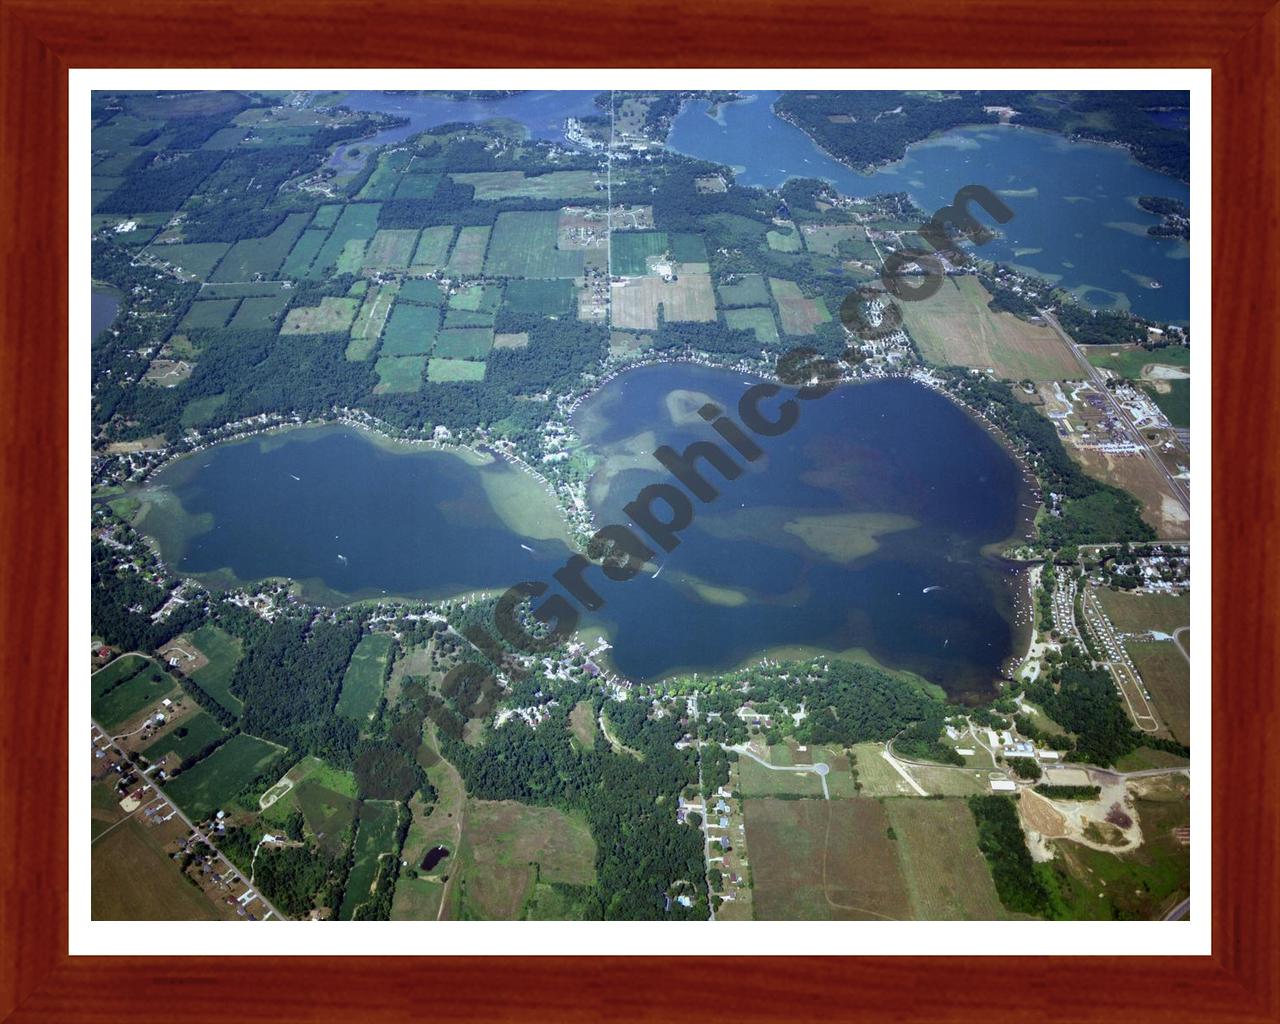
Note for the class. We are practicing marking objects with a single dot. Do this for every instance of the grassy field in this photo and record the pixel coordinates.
(515, 184)
(636, 301)
(1174, 399)
(223, 651)
(1129, 360)
(482, 298)
(208, 313)
(357, 222)
(117, 672)
(195, 260)
(758, 319)
(133, 879)
(954, 327)
(433, 249)
(544, 298)
(326, 216)
(632, 251)
(362, 684)
(759, 781)
(1136, 613)
(442, 371)
(524, 245)
(332, 316)
(582, 722)
(416, 899)
(417, 186)
(798, 314)
(823, 238)
(410, 330)
(399, 374)
(200, 411)
(207, 785)
(263, 256)
(366, 329)
(876, 774)
(391, 249)
(260, 312)
(1167, 675)
(946, 875)
(375, 836)
(822, 860)
(420, 292)
(130, 692)
(304, 250)
(199, 730)
(747, 290)
(784, 239)
(386, 175)
(505, 840)
(464, 343)
(327, 809)
(467, 259)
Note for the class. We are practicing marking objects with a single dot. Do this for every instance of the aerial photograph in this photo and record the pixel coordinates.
(726, 505)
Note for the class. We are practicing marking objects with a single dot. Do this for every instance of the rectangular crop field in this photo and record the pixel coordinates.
(467, 259)
(1137, 613)
(410, 330)
(367, 327)
(799, 315)
(356, 224)
(198, 731)
(326, 216)
(423, 293)
(386, 175)
(515, 184)
(477, 297)
(636, 301)
(543, 298)
(1132, 361)
(687, 247)
(1166, 674)
(464, 343)
(327, 810)
(399, 375)
(208, 784)
(208, 313)
(954, 327)
(746, 290)
(362, 684)
(417, 186)
(504, 840)
(946, 875)
(263, 256)
(391, 250)
(444, 371)
(758, 781)
(823, 860)
(759, 319)
(133, 879)
(823, 238)
(1174, 399)
(524, 245)
(223, 651)
(375, 836)
(433, 250)
(304, 252)
(195, 260)
(461, 318)
(260, 313)
(139, 690)
(632, 250)
(332, 316)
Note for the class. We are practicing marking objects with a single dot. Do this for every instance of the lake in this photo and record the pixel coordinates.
(864, 529)
(1076, 220)
(103, 307)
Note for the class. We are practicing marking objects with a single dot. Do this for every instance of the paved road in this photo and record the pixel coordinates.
(1180, 911)
(820, 769)
(231, 868)
(1095, 377)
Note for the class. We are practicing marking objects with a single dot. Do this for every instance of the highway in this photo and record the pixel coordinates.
(1095, 377)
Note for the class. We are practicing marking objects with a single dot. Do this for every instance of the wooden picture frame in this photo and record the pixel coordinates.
(42, 39)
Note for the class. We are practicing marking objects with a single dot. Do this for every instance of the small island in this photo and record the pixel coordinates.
(1174, 213)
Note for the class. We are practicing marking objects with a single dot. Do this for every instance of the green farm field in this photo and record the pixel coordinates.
(524, 245)
(799, 315)
(115, 705)
(133, 879)
(261, 256)
(332, 316)
(1136, 613)
(399, 374)
(198, 731)
(208, 784)
(304, 251)
(223, 651)
(208, 313)
(467, 258)
(491, 185)
(633, 249)
(367, 327)
(259, 313)
(375, 836)
(1130, 360)
(362, 684)
(483, 298)
(420, 292)
(391, 250)
(759, 781)
(433, 250)
(1167, 675)
(195, 260)
(357, 223)
(543, 298)
(747, 290)
(464, 343)
(410, 330)
(758, 319)
(441, 371)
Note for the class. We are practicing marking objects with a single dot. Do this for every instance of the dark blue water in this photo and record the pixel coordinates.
(329, 507)
(360, 520)
(1075, 221)
(543, 113)
(103, 307)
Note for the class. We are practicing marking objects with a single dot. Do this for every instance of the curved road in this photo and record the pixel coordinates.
(820, 769)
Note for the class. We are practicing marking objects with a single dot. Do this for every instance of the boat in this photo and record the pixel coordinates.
(528, 549)
(342, 559)
(929, 589)
(655, 575)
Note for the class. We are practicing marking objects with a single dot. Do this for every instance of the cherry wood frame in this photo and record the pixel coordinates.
(41, 39)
